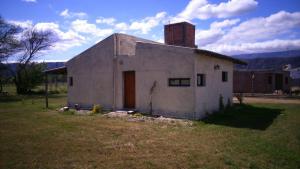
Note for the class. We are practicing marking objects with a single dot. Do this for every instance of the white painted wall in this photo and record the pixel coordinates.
(207, 97)
(92, 76)
(154, 62)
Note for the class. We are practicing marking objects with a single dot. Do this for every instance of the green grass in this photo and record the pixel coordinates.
(247, 136)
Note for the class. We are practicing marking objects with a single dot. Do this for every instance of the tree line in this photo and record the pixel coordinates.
(23, 46)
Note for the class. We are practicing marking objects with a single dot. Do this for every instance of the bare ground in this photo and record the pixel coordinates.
(269, 100)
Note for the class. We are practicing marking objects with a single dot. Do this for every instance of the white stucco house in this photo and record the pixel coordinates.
(175, 79)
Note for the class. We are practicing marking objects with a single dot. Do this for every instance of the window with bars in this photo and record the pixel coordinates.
(179, 82)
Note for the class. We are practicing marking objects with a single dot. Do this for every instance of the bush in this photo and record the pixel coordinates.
(137, 115)
(97, 109)
(228, 103)
(221, 103)
(240, 97)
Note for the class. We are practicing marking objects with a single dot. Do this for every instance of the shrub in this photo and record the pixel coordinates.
(97, 109)
(228, 103)
(240, 97)
(221, 103)
(137, 115)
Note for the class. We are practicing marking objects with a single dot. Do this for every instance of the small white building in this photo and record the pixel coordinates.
(174, 79)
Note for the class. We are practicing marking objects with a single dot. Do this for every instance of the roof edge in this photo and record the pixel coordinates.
(57, 70)
(220, 56)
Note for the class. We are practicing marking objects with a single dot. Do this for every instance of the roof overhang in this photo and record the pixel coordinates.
(220, 56)
(59, 70)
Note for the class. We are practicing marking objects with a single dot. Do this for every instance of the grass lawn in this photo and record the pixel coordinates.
(249, 136)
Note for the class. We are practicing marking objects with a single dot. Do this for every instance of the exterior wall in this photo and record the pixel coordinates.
(92, 73)
(126, 44)
(243, 81)
(207, 97)
(154, 62)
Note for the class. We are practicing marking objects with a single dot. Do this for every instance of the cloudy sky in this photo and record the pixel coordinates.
(225, 26)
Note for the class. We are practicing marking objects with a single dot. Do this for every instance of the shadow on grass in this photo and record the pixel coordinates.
(11, 98)
(15, 98)
(245, 116)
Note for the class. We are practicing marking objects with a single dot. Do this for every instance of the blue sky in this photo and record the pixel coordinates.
(225, 26)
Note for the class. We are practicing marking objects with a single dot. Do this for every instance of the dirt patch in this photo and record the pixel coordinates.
(268, 100)
(149, 119)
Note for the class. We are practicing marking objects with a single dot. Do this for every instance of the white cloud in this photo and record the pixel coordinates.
(201, 9)
(160, 40)
(29, 1)
(146, 24)
(22, 24)
(265, 46)
(66, 14)
(205, 37)
(262, 28)
(216, 32)
(108, 21)
(122, 26)
(82, 26)
(224, 24)
(143, 26)
(255, 35)
(66, 40)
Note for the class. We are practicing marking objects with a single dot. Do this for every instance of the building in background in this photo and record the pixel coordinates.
(261, 81)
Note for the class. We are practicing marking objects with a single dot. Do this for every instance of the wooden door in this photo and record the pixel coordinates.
(129, 89)
(278, 81)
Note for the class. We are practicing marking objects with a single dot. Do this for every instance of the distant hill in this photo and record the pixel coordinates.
(273, 60)
(49, 65)
(289, 53)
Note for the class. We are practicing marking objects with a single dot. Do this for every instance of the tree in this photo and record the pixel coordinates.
(32, 42)
(30, 77)
(9, 44)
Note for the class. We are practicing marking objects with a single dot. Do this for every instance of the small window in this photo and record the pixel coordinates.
(200, 79)
(179, 82)
(224, 76)
(70, 81)
(286, 80)
(270, 79)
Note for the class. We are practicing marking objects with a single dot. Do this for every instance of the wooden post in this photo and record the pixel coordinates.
(46, 90)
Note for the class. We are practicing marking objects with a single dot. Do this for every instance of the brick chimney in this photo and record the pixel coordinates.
(180, 34)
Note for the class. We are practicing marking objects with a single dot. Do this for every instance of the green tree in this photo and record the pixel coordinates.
(9, 45)
(30, 77)
(33, 42)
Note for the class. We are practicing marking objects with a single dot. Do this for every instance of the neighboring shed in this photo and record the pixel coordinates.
(55, 71)
(261, 81)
